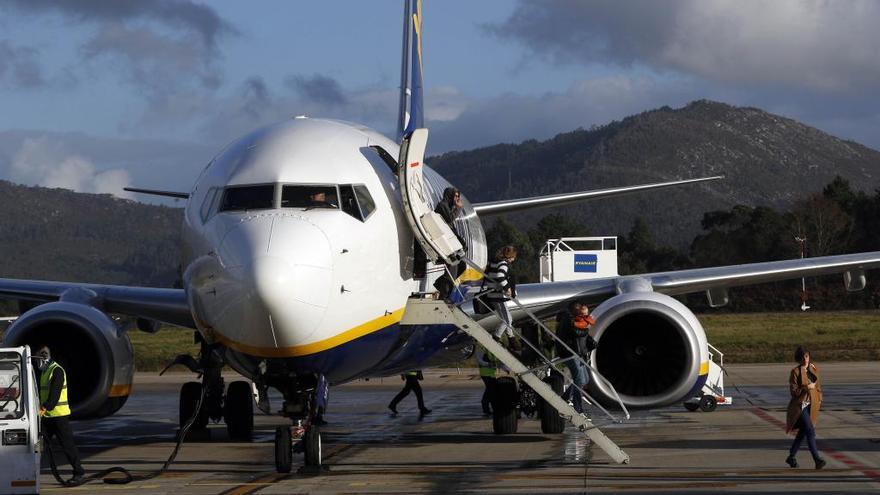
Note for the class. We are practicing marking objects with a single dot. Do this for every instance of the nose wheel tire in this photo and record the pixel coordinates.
(505, 415)
(691, 406)
(238, 411)
(283, 449)
(551, 421)
(312, 447)
(189, 399)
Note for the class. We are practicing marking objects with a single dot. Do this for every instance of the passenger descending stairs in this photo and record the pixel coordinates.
(429, 311)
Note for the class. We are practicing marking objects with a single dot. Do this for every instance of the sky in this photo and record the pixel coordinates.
(96, 95)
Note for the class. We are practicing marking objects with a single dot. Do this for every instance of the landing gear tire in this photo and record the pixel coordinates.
(708, 403)
(190, 393)
(505, 416)
(551, 421)
(312, 446)
(283, 449)
(691, 406)
(238, 411)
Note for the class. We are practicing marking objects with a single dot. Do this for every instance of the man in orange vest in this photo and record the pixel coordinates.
(55, 409)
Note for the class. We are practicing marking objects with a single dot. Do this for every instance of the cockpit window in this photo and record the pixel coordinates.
(364, 200)
(248, 198)
(309, 197)
(348, 202)
(356, 201)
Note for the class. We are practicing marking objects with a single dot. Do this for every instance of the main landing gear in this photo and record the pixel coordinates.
(235, 407)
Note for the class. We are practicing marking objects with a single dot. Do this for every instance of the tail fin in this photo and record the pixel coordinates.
(411, 113)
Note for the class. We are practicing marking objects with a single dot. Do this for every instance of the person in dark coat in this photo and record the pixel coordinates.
(572, 327)
(411, 379)
(803, 408)
(450, 208)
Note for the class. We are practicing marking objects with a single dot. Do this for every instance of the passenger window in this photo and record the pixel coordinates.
(348, 202)
(248, 198)
(309, 197)
(365, 201)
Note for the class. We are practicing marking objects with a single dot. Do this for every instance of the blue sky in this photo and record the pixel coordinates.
(98, 94)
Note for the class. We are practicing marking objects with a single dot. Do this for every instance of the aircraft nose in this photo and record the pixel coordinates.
(283, 269)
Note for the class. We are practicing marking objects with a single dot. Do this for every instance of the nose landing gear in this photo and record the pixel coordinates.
(304, 398)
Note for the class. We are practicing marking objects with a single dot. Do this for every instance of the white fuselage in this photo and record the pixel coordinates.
(279, 281)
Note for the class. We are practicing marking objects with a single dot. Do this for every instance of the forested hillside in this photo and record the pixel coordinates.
(58, 234)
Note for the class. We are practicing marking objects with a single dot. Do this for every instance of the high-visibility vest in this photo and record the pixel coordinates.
(488, 365)
(62, 408)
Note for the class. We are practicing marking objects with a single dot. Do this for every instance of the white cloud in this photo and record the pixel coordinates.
(41, 162)
(818, 45)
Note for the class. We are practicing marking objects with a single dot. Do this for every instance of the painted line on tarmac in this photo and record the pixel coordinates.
(851, 463)
(255, 485)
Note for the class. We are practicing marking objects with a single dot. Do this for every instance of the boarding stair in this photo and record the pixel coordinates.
(441, 246)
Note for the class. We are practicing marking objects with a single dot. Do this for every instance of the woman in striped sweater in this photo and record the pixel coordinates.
(503, 288)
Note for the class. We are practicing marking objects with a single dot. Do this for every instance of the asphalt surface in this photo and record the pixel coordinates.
(737, 448)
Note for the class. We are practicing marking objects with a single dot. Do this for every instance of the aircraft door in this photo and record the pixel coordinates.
(437, 239)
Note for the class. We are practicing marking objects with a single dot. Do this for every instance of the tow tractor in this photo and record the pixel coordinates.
(19, 423)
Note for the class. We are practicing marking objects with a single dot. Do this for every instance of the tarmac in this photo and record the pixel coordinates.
(740, 448)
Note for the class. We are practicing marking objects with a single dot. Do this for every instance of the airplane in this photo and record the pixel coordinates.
(299, 257)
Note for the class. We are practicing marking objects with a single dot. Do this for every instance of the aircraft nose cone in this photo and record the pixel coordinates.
(282, 268)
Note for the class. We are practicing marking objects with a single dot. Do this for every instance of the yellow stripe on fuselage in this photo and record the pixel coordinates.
(704, 368)
(315, 347)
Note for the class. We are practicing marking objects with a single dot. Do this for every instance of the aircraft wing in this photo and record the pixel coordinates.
(509, 205)
(166, 305)
(550, 296)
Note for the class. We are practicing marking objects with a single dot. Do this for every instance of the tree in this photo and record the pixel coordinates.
(823, 223)
(503, 233)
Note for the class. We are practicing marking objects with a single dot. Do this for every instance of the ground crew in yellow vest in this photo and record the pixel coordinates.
(55, 410)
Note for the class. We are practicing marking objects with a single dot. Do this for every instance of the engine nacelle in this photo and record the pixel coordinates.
(97, 357)
(652, 349)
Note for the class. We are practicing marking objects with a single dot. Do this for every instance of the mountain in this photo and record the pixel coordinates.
(58, 234)
(767, 160)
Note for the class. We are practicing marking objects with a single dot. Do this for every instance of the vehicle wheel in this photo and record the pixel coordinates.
(189, 399)
(691, 406)
(312, 446)
(504, 414)
(551, 421)
(283, 449)
(238, 410)
(708, 403)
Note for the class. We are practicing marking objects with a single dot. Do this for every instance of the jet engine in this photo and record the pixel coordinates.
(96, 355)
(652, 349)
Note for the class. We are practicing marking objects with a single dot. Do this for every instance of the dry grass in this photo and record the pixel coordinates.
(773, 337)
